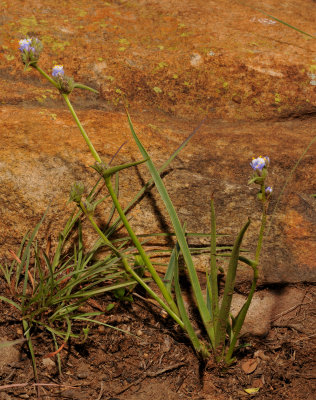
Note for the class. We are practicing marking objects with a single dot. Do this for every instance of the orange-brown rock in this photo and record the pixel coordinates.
(175, 62)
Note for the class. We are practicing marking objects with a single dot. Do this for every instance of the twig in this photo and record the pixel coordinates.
(32, 384)
(289, 310)
(49, 355)
(305, 338)
(151, 375)
(101, 391)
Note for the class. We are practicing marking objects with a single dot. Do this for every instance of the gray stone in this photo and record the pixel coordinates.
(8, 355)
(271, 308)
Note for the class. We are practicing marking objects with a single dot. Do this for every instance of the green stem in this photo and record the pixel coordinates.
(263, 224)
(29, 342)
(83, 132)
(223, 316)
(51, 80)
(241, 317)
(129, 269)
(81, 86)
(140, 249)
(214, 270)
(243, 312)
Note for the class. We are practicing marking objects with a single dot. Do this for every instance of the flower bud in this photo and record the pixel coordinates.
(31, 49)
(65, 83)
(268, 191)
(76, 192)
(89, 207)
(100, 167)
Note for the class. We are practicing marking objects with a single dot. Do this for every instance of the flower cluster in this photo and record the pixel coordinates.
(260, 166)
(65, 83)
(259, 163)
(30, 50)
(58, 70)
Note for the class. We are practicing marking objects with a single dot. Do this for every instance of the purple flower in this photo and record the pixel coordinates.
(268, 191)
(258, 163)
(58, 70)
(65, 83)
(30, 50)
(25, 44)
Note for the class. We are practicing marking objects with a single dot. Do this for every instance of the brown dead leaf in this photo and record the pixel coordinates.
(250, 365)
(257, 382)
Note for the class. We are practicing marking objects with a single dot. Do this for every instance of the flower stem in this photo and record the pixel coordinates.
(51, 80)
(263, 224)
(139, 247)
(83, 132)
(73, 113)
(243, 312)
(128, 267)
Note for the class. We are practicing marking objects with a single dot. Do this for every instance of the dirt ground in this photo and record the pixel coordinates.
(206, 59)
(155, 360)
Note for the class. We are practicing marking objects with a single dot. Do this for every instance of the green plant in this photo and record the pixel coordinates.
(50, 291)
(222, 330)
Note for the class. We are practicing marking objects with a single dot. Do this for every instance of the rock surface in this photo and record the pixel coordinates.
(8, 355)
(274, 307)
(226, 62)
(188, 58)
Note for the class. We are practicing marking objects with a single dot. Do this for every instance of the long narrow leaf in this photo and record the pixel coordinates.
(278, 20)
(229, 289)
(205, 315)
(180, 303)
(13, 303)
(27, 250)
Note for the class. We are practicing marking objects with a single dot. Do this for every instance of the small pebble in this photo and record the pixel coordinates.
(82, 375)
(236, 99)
(48, 362)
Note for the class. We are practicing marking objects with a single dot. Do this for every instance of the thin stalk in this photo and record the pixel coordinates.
(263, 224)
(241, 317)
(223, 315)
(140, 249)
(243, 312)
(129, 269)
(214, 285)
(83, 132)
(198, 346)
(51, 80)
(30, 345)
(204, 312)
(287, 181)
(73, 113)
(81, 86)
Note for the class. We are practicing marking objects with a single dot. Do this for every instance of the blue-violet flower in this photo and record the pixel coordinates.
(25, 44)
(258, 163)
(58, 70)
(30, 50)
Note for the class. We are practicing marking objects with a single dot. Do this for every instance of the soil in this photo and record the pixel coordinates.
(219, 60)
(153, 359)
